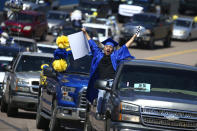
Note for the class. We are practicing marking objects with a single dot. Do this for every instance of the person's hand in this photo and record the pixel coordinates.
(84, 30)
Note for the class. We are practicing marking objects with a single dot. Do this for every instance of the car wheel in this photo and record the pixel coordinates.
(189, 37)
(167, 41)
(41, 122)
(4, 105)
(11, 111)
(151, 44)
(43, 37)
(87, 125)
(107, 124)
(54, 124)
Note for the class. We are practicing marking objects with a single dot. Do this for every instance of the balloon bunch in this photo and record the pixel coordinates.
(61, 53)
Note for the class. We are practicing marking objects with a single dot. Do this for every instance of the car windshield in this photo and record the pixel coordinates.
(95, 32)
(137, 2)
(68, 31)
(3, 63)
(182, 23)
(144, 19)
(158, 82)
(9, 51)
(81, 65)
(33, 1)
(56, 16)
(21, 17)
(28, 46)
(46, 49)
(32, 63)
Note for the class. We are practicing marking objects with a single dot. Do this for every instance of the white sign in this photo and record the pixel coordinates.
(79, 45)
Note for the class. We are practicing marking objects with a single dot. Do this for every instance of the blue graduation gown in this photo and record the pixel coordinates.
(97, 53)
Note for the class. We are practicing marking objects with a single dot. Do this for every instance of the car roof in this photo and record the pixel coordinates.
(31, 12)
(58, 11)
(6, 58)
(36, 54)
(46, 45)
(24, 39)
(185, 18)
(96, 25)
(160, 64)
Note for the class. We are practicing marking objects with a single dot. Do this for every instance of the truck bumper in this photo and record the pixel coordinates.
(70, 113)
(121, 126)
(27, 102)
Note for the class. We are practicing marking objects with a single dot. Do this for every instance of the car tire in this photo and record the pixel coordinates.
(41, 122)
(151, 44)
(188, 38)
(107, 124)
(43, 37)
(54, 124)
(4, 106)
(11, 111)
(87, 125)
(167, 41)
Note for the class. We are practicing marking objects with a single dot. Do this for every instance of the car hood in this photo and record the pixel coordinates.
(16, 23)
(28, 75)
(54, 22)
(2, 74)
(161, 102)
(180, 28)
(74, 80)
(135, 25)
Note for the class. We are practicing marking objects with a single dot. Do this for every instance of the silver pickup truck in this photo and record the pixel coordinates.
(22, 82)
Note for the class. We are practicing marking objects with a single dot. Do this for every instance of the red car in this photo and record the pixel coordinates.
(27, 23)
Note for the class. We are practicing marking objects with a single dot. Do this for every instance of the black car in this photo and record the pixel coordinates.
(102, 7)
(147, 95)
(187, 5)
(153, 28)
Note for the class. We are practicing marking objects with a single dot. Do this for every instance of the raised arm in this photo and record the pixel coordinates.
(86, 33)
(128, 44)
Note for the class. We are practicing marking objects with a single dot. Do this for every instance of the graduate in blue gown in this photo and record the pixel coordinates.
(105, 62)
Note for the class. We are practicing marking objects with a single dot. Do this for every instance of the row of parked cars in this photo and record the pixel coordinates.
(143, 95)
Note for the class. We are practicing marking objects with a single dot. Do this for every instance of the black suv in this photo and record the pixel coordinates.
(153, 28)
(147, 95)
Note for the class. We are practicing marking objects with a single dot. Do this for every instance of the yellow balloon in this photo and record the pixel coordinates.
(95, 13)
(59, 65)
(174, 17)
(195, 19)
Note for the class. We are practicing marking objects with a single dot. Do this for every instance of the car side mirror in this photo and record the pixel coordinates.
(49, 72)
(103, 85)
(7, 68)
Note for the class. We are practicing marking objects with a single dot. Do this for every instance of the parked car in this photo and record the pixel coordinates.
(147, 95)
(130, 7)
(187, 5)
(62, 95)
(22, 82)
(30, 24)
(101, 29)
(4, 61)
(9, 51)
(185, 28)
(46, 48)
(25, 44)
(57, 18)
(153, 28)
(102, 7)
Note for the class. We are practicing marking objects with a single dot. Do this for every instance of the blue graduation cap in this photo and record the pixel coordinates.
(110, 41)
